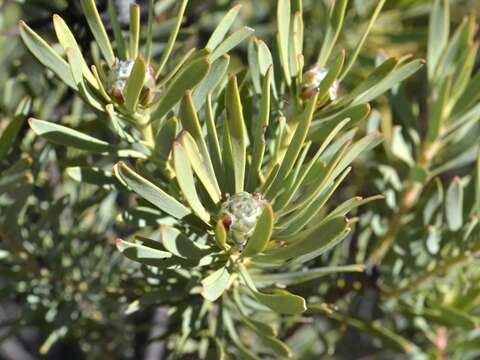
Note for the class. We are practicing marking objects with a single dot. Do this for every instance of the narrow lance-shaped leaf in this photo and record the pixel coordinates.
(186, 79)
(134, 30)
(134, 85)
(172, 38)
(45, 54)
(214, 285)
(283, 34)
(76, 69)
(165, 138)
(260, 126)
(237, 132)
(140, 253)
(397, 75)
(438, 32)
(280, 301)
(223, 27)
(358, 47)
(186, 181)
(294, 147)
(230, 42)
(63, 135)
(200, 156)
(117, 31)
(211, 81)
(320, 238)
(221, 235)
(334, 25)
(149, 40)
(438, 107)
(180, 245)
(261, 234)
(98, 30)
(150, 191)
(67, 40)
(213, 142)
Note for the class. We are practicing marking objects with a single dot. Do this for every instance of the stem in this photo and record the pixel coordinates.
(409, 198)
(147, 133)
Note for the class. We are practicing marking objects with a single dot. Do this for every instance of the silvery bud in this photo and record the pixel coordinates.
(312, 80)
(240, 213)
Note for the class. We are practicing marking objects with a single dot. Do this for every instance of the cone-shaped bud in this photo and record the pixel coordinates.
(240, 213)
(117, 80)
(312, 80)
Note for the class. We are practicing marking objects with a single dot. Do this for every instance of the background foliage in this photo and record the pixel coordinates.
(402, 282)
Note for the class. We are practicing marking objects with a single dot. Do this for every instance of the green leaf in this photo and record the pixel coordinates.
(223, 27)
(165, 138)
(134, 30)
(437, 106)
(117, 31)
(94, 176)
(173, 37)
(10, 133)
(322, 127)
(134, 85)
(83, 88)
(213, 142)
(45, 54)
(62, 135)
(150, 191)
(211, 81)
(140, 253)
(260, 127)
(333, 28)
(399, 74)
(215, 284)
(304, 214)
(230, 42)
(265, 60)
(318, 240)
(202, 168)
(180, 245)
(221, 235)
(186, 79)
(262, 233)
(309, 169)
(149, 40)
(280, 301)
(454, 205)
(361, 146)
(299, 277)
(185, 180)
(294, 148)
(68, 41)
(283, 35)
(98, 30)
(237, 132)
(438, 32)
(353, 57)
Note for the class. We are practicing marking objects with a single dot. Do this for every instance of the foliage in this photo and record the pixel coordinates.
(208, 176)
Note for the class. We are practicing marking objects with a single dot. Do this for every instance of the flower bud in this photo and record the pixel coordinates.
(240, 213)
(312, 80)
(117, 80)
